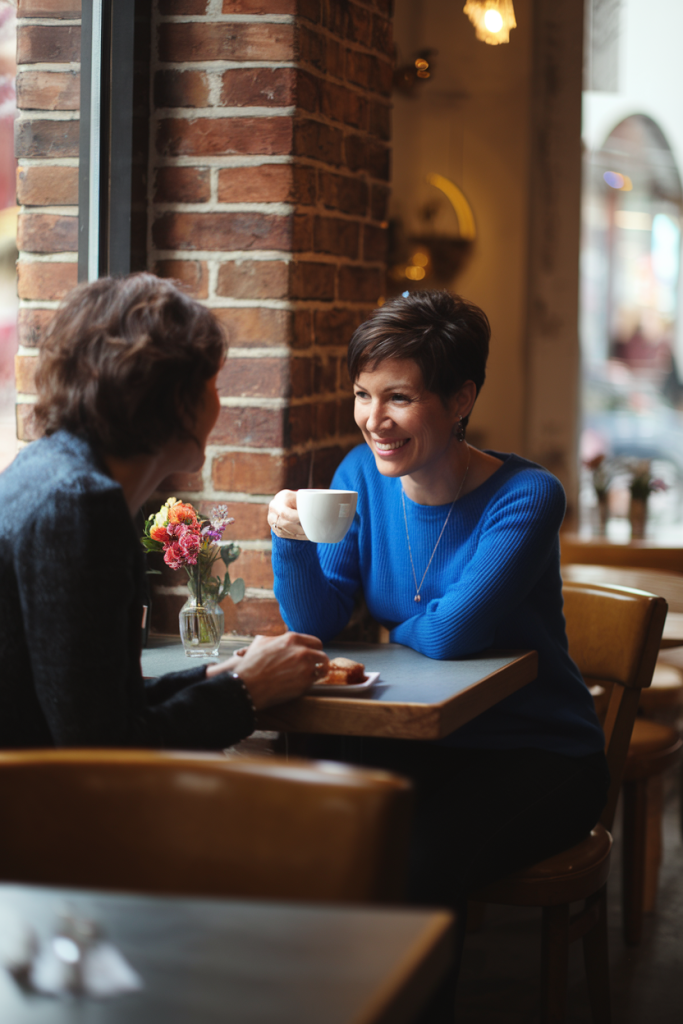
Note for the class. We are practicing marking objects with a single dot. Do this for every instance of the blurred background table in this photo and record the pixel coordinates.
(639, 554)
(668, 585)
(243, 962)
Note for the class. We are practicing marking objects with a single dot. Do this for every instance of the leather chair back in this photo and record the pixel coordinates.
(203, 825)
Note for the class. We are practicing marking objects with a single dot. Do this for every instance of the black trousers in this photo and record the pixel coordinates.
(481, 814)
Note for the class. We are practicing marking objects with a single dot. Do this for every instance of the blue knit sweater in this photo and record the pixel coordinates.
(494, 582)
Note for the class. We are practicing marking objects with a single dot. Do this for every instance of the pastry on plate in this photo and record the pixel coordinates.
(343, 672)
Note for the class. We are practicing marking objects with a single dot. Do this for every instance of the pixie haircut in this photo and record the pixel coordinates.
(125, 364)
(444, 334)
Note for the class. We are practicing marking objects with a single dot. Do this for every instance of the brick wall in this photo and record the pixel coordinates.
(269, 169)
(269, 192)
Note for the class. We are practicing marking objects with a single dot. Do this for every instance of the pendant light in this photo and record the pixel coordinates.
(492, 19)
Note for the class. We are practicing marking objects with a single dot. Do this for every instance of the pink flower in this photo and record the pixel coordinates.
(173, 556)
(189, 543)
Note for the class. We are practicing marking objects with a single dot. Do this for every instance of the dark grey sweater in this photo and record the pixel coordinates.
(71, 574)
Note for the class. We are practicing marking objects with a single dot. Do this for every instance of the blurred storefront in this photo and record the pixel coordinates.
(631, 318)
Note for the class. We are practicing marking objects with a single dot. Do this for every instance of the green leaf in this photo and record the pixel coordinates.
(151, 545)
(229, 552)
(237, 591)
(154, 572)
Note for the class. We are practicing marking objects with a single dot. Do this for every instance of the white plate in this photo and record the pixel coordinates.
(327, 690)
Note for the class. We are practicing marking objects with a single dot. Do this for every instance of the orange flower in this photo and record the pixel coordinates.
(159, 533)
(182, 513)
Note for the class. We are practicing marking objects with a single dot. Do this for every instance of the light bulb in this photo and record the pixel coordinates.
(493, 20)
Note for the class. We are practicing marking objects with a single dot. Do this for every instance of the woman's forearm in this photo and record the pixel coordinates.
(310, 602)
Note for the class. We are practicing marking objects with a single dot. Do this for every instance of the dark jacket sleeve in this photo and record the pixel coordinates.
(78, 565)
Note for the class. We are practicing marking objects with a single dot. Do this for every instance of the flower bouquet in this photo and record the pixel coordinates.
(642, 485)
(189, 541)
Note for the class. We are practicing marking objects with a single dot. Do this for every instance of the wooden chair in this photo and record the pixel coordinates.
(614, 636)
(654, 746)
(203, 825)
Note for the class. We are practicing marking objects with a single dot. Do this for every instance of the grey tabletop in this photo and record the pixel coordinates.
(415, 698)
(242, 962)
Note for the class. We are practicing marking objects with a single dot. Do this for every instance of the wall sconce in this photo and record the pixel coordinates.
(427, 258)
(408, 76)
(492, 19)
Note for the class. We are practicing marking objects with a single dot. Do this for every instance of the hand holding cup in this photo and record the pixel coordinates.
(283, 516)
(320, 515)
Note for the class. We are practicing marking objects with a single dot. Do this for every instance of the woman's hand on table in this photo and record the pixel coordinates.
(276, 669)
(283, 517)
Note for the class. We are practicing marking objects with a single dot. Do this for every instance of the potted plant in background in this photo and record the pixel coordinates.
(192, 542)
(641, 487)
(602, 477)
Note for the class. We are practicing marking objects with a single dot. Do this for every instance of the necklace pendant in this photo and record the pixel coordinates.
(417, 598)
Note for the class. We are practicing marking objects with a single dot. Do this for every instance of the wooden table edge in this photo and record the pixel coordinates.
(415, 978)
(322, 715)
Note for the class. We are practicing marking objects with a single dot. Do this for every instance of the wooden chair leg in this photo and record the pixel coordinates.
(554, 956)
(596, 960)
(653, 841)
(633, 859)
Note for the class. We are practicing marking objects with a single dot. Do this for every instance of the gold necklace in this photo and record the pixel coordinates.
(405, 520)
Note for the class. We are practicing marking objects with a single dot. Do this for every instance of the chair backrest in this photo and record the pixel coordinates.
(206, 825)
(614, 635)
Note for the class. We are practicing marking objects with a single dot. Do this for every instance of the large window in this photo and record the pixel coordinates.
(631, 315)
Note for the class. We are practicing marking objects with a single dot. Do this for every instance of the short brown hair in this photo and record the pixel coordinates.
(125, 363)
(447, 336)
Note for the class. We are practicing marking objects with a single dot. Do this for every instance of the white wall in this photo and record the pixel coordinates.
(650, 74)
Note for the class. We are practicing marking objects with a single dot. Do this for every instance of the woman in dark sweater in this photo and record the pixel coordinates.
(126, 396)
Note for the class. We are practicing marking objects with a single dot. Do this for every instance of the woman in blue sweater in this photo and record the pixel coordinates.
(455, 550)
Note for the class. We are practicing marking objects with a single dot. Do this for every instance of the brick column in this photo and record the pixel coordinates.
(46, 144)
(269, 189)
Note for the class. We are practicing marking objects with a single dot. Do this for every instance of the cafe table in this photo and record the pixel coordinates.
(241, 961)
(415, 697)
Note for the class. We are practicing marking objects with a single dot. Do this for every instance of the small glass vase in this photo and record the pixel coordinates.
(201, 622)
(638, 517)
(602, 514)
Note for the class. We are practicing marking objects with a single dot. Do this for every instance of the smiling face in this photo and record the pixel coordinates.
(408, 428)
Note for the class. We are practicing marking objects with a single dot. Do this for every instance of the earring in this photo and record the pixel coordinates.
(459, 430)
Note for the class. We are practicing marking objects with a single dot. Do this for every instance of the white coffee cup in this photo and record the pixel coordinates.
(326, 515)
